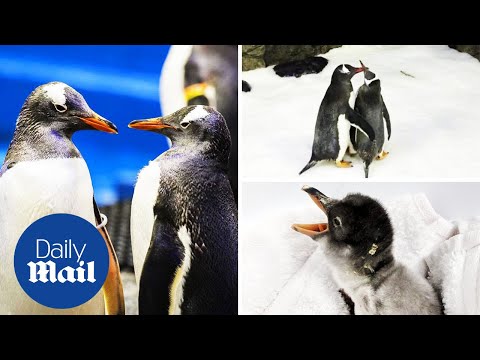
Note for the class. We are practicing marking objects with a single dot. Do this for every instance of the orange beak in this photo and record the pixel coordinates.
(100, 123)
(149, 124)
(313, 230)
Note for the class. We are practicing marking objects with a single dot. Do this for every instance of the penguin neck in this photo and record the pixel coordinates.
(33, 140)
(209, 151)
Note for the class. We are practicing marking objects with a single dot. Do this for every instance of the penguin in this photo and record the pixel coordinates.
(335, 116)
(357, 240)
(369, 103)
(209, 76)
(184, 225)
(44, 173)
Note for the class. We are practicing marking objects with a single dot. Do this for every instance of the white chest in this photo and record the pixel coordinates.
(343, 127)
(142, 217)
(29, 191)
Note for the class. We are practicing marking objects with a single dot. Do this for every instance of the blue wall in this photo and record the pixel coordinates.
(120, 83)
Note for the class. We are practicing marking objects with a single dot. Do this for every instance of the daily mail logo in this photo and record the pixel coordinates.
(61, 261)
(47, 271)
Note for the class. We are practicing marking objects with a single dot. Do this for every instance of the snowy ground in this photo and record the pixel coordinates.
(435, 115)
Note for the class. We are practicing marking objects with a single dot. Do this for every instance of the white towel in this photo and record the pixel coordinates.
(284, 272)
(455, 271)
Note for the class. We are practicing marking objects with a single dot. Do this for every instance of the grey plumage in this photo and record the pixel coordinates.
(357, 242)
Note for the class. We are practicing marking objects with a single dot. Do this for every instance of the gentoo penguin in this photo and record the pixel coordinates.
(209, 77)
(184, 218)
(357, 241)
(44, 173)
(335, 116)
(369, 103)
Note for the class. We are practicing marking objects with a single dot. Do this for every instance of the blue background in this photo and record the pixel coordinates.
(56, 229)
(120, 83)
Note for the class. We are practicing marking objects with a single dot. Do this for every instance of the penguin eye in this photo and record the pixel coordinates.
(337, 222)
(185, 124)
(60, 108)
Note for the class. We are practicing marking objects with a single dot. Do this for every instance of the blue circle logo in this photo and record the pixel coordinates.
(61, 261)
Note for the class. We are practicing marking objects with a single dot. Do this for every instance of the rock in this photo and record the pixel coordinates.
(297, 68)
(246, 86)
(252, 57)
(277, 54)
(473, 50)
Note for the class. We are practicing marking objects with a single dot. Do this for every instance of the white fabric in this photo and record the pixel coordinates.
(285, 272)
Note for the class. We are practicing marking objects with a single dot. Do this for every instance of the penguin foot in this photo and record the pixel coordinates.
(343, 164)
(383, 155)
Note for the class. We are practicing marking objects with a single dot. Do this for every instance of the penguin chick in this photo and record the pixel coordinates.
(334, 119)
(184, 218)
(369, 103)
(44, 173)
(357, 240)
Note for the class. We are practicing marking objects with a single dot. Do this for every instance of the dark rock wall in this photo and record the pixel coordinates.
(257, 56)
(473, 50)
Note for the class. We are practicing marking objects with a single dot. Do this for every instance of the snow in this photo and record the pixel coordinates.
(435, 117)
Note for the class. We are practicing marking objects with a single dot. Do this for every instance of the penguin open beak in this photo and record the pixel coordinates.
(100, 123)
(322, 201)
(149, 124)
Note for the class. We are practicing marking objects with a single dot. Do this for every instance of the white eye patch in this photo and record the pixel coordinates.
(368, 82)
(344, 69)
(56, 93)
(197, 113)
(60, 108)
(184, 124)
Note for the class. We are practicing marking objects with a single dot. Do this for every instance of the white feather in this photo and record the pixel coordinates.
(56, 92)
(343, 126)
(197, 113)
(142, 217)
(186, 240)
(29, 191)
(172, 78)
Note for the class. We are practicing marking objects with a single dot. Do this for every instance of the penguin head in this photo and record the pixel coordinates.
(370, 78)
(345, 72)
(61, 108)
(355, 222)
(191, 126)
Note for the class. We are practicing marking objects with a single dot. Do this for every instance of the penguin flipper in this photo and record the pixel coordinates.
(353, 137)
(113, 287)
(163, 258)
(358, 121)
(310, 164)
(386, 116)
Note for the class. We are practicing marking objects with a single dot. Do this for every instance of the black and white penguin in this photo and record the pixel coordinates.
(369, 103)
(335, 116)
(184, 218)
(357, 241)
(209, 76)
(44, 173)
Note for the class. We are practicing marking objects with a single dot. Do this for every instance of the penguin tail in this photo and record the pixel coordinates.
(310, 164)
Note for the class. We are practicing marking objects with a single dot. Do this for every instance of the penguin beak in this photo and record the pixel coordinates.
(100, 123)
(357, 70)
(364, 68)
(322, 201)
(319, 198)
(150, 124)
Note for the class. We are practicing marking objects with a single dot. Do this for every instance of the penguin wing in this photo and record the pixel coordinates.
(358, 121)
(160, 269)
(386, 116)
(112, 288)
